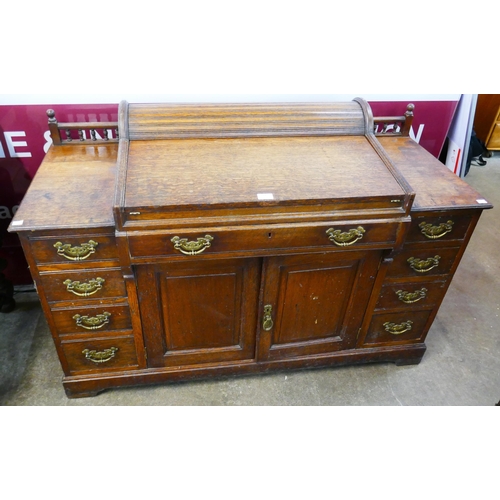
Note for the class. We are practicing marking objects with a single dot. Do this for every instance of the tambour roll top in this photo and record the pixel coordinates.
(180, 162)
(184, 121)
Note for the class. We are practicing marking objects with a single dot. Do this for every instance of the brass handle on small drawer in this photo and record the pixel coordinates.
(192, 247)
(92, 323)
(84, 289)
(100, 356)
(267, 322)
(345, 239)
(436, 232)
(412, 297)
(396, 329)
(424, 266)
(76, 253)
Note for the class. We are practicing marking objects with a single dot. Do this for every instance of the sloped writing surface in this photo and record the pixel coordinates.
(245, 172)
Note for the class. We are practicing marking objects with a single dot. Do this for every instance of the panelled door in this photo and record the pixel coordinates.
(314, 304)
(200, 311)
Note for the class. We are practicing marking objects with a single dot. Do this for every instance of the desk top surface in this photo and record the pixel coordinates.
(74, 187)
(205, 173)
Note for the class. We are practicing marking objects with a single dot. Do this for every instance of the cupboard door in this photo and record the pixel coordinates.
(199, 312)
(314, 305)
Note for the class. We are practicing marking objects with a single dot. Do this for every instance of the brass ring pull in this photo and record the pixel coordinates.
(424, 265)
(100, 356)
(436, 232)
(92, 323)
(396, 329)
(84, 289)
(412, 297)
(267, 322)
(345, 239)
(76, 253)
(192, 247)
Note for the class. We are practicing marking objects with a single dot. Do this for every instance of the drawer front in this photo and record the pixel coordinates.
(83, 285)
(74, 249)
(409, 296)
(329, 236)
(444, 228)
(92, 320)
(398, 328)
(423, 262)
(100, 355)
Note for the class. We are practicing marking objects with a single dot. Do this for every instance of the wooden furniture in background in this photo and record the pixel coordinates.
(487, 120)
(216, 240)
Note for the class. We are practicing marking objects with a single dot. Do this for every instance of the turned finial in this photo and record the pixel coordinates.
(405, 131)
(54, 127)
(52, 116)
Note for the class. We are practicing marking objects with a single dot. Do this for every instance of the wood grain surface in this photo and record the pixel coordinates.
(435, 185)
(73, 188)
(199, 173)
(181, 121)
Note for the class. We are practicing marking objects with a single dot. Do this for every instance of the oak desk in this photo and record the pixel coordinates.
(212, 240)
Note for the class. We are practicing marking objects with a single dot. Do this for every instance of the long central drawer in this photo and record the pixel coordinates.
(343, 235)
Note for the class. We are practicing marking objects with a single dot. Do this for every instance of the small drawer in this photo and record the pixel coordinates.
(100, 355)
(423, 262)
(83, 285)
(74, 249)
(357, 234)
(409, 296)
(398, 328)
(92, 320)
(442, 228)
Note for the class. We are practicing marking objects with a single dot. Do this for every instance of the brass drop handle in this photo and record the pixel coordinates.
(412, 297)
(100, 356)
(84, 251)
(436, 232)
(345, 239)
(85, 289)
(424, 265)
(396, 329)
(192, 247)
(92, 323)
(267, 322)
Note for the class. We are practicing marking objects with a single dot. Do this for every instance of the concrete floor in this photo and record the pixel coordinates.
(460, 368)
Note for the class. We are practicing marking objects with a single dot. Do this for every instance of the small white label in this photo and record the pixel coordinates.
(18, 223)
(482, 202)
(265, 196)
